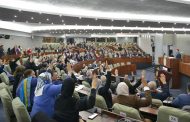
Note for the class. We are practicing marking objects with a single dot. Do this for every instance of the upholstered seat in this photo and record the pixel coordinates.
(170, 114)
(100, 102)
(20, 111)
(128, 111)
(7, 105)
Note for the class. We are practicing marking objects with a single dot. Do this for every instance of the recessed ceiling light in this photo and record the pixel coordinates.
(32, 18)
(15, 16)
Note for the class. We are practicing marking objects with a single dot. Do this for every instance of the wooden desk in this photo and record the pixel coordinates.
(105, 116)
(149, 113)
(173, 65)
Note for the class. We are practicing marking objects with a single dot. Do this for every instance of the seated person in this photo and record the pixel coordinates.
(183, 99)
(67, 107)
(45, 95)
(156, 94)
(26, 88)
(104, 89)
(42, 117)
(134, 101)
(55, 79)
(18, 76)
(132, 88)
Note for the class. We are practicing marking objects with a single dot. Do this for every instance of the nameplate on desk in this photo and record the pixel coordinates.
(173, 119)
(79, 87)
(122, 114)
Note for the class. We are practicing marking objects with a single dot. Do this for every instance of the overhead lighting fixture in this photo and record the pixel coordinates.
(73, 11)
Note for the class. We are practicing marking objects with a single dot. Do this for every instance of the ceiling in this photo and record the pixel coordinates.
(142, 13)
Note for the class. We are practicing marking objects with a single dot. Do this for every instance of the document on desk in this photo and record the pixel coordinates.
(167, 101)
(79, 87)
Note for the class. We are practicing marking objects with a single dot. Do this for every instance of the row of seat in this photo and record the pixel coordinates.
(14, 109)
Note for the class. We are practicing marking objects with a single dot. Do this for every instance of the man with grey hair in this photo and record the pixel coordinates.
(183, 99)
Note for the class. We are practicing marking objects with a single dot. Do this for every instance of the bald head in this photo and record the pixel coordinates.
(103, 78)
(152, 85)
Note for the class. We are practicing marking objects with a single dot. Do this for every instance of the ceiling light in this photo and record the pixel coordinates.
(73, 11)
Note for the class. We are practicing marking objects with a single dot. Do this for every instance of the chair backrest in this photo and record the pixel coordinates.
(170, 114)
(100, 102)
(156, 103)
(86, 84)
(115, 65)
(76, 95)
(3, 85)
(4, 78)
(8, 68)
(58, 71)
(186, 108)
(20, 111)
(7, 105)
(128, 111)
(122, 63)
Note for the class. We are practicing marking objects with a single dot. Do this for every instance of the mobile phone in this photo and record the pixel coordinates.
(94, 115)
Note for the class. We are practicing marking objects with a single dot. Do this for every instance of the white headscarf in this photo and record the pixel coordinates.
(122, 89)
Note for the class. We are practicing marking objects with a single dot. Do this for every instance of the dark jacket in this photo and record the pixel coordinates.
(67, 107)
(17, 78)
(105, 92)
(13, 64)
(132, 89)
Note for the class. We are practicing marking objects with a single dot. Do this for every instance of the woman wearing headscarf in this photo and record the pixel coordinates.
(45, 95)
(134, 101)
(67, 107)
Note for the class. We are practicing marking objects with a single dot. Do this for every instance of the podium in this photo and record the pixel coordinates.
(173, 65)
